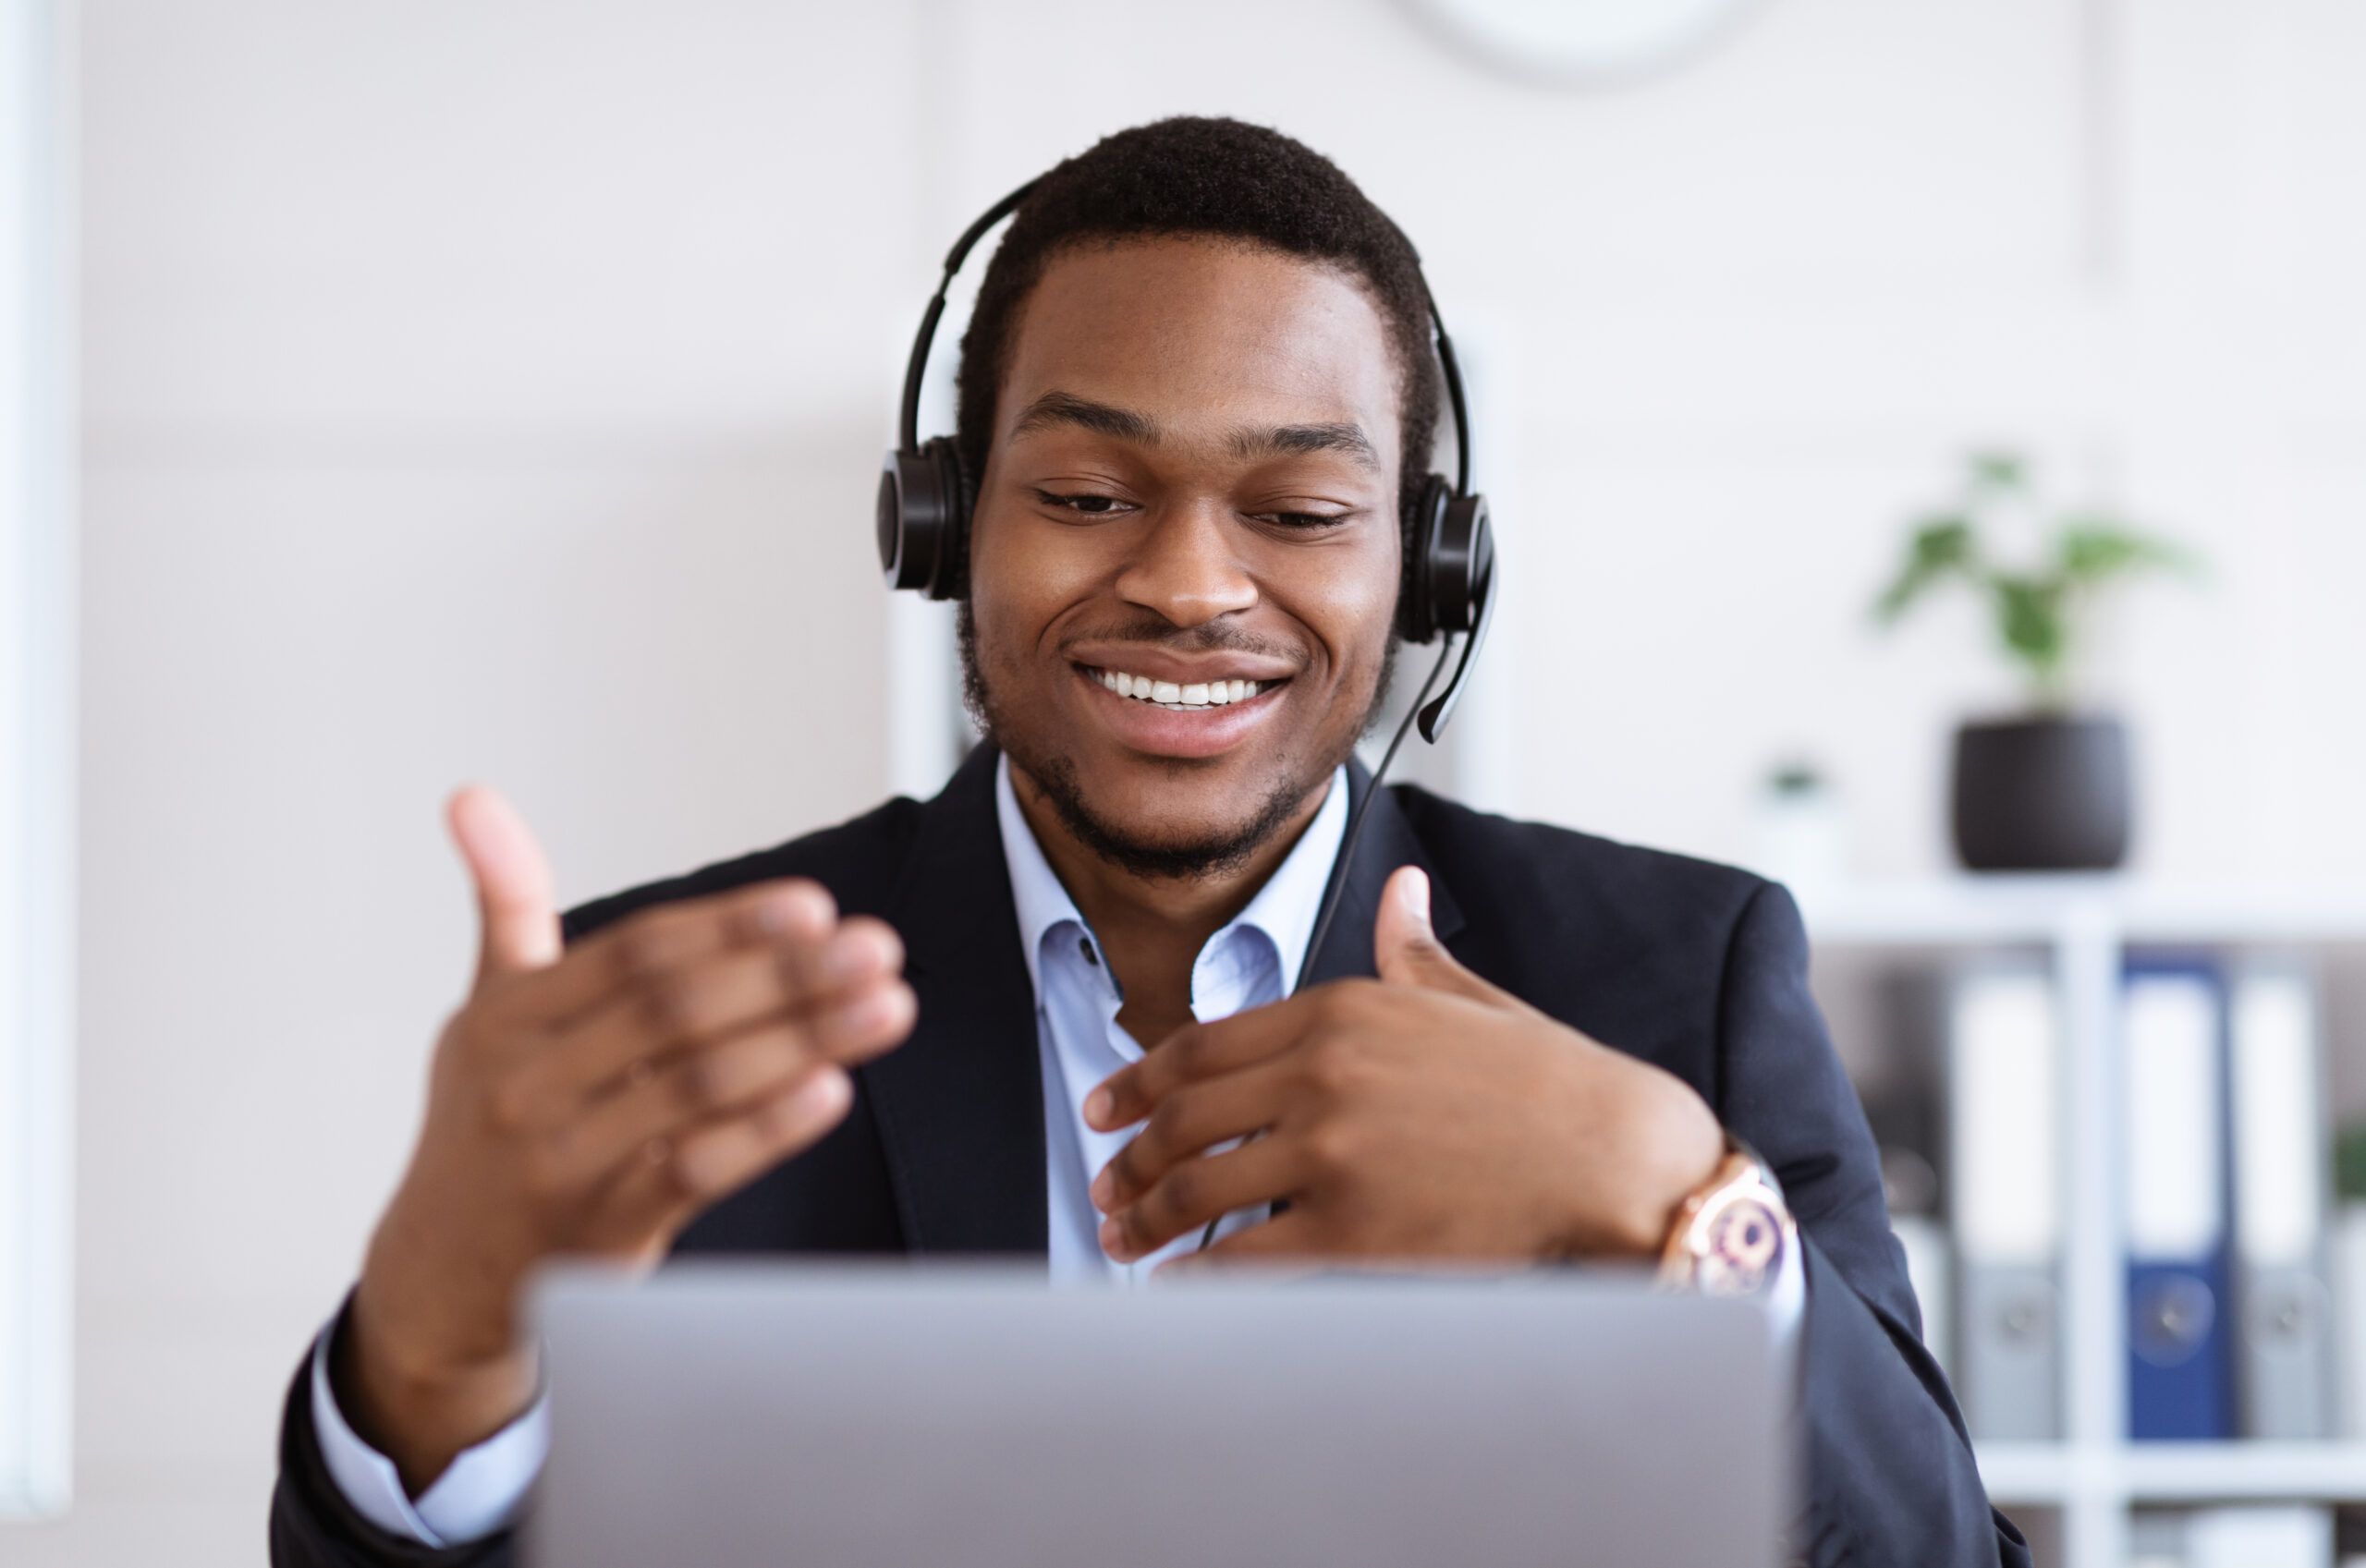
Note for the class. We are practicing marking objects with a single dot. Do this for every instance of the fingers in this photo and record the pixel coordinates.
(1187, 1122)
(1406, 951)
(670, 1180)
(862, 953)
(1193, 1192)
(517, 915)
(721, 1156)
(1286, 1238)
(1199, 1052)
(751, 1066)
(847, 981)
(644, 949)
(662, 1101)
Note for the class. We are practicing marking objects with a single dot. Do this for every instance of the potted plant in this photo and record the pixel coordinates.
(2046, 789)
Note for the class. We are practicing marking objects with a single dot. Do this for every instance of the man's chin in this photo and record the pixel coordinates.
(1165, 847)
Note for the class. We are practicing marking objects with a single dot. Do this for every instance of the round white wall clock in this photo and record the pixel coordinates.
(1582, 42)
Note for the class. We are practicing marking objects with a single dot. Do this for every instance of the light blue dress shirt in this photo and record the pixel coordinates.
(1252, 961)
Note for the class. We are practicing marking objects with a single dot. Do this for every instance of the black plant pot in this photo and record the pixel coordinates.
(2041, 795)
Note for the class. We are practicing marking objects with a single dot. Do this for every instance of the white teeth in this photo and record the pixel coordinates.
(1173, 694)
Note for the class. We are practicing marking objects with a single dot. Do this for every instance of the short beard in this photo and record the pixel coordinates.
(1214, 855)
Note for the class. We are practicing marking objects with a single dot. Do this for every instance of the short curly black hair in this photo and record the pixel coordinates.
(1222, 177)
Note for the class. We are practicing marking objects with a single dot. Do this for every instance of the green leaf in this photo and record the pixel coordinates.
(2091, 551)
(2029, 620)
(2349, 1162)
(1941, 547)
(1997, 470)
(2033, 608)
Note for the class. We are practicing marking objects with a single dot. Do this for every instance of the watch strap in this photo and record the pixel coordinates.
(1732, 1232)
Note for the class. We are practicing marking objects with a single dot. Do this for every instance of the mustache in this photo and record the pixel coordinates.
(1212, 637)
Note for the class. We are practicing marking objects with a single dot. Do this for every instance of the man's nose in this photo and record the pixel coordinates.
(1189, 569)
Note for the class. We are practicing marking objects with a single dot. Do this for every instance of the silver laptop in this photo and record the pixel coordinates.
(773, 1413)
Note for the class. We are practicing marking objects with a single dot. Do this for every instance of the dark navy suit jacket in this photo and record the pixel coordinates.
(1699, 968)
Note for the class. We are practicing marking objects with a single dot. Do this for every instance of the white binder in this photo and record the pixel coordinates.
(2004, 1196)
(1929, 1271)
(2285, 1366)
(2349, 1311)
(2260, 1536)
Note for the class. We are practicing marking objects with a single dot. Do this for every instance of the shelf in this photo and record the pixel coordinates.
(2043, 908)
(2085, 926)
(2058, 1473)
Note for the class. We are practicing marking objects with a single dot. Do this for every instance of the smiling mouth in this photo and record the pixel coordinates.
(1175, 696)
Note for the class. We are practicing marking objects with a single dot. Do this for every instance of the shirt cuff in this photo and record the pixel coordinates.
(1786, 1301)
(480, 1492)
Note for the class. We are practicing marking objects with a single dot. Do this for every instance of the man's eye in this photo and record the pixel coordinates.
(1088, 505)
(1304, 520)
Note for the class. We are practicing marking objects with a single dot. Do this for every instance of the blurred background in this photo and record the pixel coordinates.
(494, 389)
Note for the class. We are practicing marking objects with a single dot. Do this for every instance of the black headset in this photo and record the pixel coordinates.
(925, 497)
(1449, 588)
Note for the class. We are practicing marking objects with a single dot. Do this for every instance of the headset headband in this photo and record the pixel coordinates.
(908, 424)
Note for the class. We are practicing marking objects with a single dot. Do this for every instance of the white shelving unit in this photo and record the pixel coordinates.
(2087, 924)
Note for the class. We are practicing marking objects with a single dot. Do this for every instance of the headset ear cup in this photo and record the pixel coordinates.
(910, 521)
(1416, 610)
(923, 516)
(1462, 564)
(952, 580)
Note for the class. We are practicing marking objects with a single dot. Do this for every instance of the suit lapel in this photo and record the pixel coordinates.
(960, 1103)
(1387, 842)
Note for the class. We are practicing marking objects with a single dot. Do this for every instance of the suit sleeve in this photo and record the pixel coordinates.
(1890, 1473)
(313, 1526)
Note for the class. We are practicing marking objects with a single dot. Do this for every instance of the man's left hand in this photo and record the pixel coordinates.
(1426, 1115)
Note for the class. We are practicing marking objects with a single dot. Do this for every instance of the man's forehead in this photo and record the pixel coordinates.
(1144, 339)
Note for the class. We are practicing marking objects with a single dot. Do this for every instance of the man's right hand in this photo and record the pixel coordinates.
(589, 1102)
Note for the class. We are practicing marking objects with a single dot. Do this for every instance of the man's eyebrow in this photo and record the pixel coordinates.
(1298, 441)
(1065, 408)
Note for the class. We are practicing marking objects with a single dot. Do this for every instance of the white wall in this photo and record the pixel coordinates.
(494, 388)
(1752, 314)
(473, 391)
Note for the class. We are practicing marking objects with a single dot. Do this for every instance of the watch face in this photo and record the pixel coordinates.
(1741, 1246)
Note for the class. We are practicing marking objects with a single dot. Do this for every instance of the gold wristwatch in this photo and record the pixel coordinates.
(1733, 1231)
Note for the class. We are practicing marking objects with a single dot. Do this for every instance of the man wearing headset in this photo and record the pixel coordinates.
(1186, 516)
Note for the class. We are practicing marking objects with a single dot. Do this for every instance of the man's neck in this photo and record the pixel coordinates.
(1150, 929)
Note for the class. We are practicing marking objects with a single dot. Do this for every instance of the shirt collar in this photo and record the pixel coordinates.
(1284, 908)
